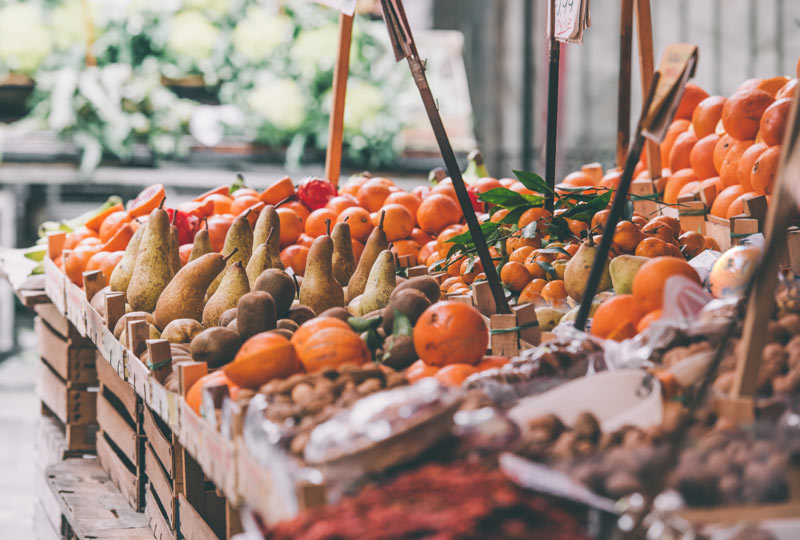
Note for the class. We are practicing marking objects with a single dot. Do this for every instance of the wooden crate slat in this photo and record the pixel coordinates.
(124, 392)
(155, 517)
(127, 481)
(161, 484)
(161, 445)
(52, 391)
(117, 428)
(73, 364)
(192, 525)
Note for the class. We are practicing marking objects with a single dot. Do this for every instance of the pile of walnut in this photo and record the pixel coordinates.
(723, 466)
(303, 401)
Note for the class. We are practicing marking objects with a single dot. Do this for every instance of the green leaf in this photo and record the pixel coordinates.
(360, 324)
(585, 211)
(533, 181)
(558, 229)
(436, 266)
(547, 267)
(486, 228)
(554, 249)
(508, 199)
(402, 325)
(373, 340)
(627, 213)
(529, 231)
(514, 215)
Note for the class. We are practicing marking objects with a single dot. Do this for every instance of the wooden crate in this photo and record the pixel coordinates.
(163, 466)
(156, 516)
(121, 448)
(74, 406)
(203, 514)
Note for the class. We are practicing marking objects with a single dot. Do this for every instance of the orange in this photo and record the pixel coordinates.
(499, 215)
(420, 236)
(446, 189)
(244, 192)
(530, 296)
(298, 208)
(746, 162)
(519, 187)
(711, 187)
(217, 230)
(291, 226)
(341, 202)
(491, 362)
(515, 276)
(555, 292)
(372, 193)
(112, 223)
(398, 222)
(648, 319)
(410, 201)
(402, 248)
(147, 201)
(650, 280)
(311, 327)
(701, 157)
(724, 199)
(279, 191)
(93, 224)
(436, 212)
(681, 150)
(764, 170)
(477, 268)
(707, 114)
(692, 243)
(222, 203)
(304, 240)
(455, 374)
(449, 282)
(599, 219)
(443, 237)
(710, 243)
(788, 90)
(295, 256)
(73, 238)
(742, 113)
(670, 222)
(689, 189)
(578, 179)
(194, 396)
(611, 179)
(533, 267)
(737, 206)
(538, 214)
(773, 121)
(749, 84)
(185, 251)
(110, 262)
(692, 96)
(772, 85)
(419, 370)
(513, 243)
(221, 190)
(658, 229)
(729, 172)
(242, 203)
(318, 222)
(76, 262)
(426, 250)
(95, 261)
(451, 333)
(722, 147)
(120, 240)
(617, 310)
(627, 236)
(520, 254)
(359, 221)
(251, 212)
(358, 249)
(353, 183)
(675, 128)
(262, 358)
(676, 182)
(652, 246)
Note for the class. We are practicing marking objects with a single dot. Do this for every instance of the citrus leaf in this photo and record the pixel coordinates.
(529, 231)
(533, 181)
(360, 324)
(486, 228)
(547, 267)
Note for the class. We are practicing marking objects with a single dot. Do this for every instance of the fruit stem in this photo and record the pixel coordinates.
(591, 240)
(345, 219)
(247, 212)
(161, 205)
(328, 226)
(174, 217)
(229, 255)
(383, 215)
(269, 236)
(284, 201)
(205, 220)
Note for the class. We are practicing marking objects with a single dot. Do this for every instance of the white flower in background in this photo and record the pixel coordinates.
(24, 39)
(139, 123)
(363, 103)
(259, 32)
(192, 35)
(68, 23)
(280, 103)
(316, 48)
(217, 7)
(158, 6)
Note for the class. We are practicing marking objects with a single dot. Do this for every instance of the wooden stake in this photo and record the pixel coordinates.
(644, 26)
(333, 158)
(115, 308)
(93, 282)
(624, 94)
(136, 335)
(405, 47)
(160, 356)
(552, 109)
(762, 300)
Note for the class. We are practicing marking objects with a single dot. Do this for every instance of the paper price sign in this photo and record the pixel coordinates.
(348, 7)
(571, 19)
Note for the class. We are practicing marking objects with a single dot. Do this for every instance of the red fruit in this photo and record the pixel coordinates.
(315, 192)
(477, 205)
(186, 224)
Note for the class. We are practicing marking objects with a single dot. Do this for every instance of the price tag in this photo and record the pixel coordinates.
(348, 7)
(677, 65)
(571, 19)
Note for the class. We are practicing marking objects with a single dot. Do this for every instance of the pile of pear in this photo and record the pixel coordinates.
(217, 301)
(616, 278)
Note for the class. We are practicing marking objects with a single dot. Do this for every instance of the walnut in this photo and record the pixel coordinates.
(790, 324)
(587, 427)
(369, 386)
(302, 393)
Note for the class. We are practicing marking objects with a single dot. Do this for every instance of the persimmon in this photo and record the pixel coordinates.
(627, 236)
(262, 358)
(701, 158)
(450, 333)
(729, 172)
(745, 168)
(279, 191)
(436, 212)
(742, 113)
(295, 257)
(614, 311)
(764, 170)
(724, 199)
(707, 114)
(650, 280)
(316, 222)
(291, 226)
(773, 121)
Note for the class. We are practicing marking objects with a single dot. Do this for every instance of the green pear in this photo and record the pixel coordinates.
(183, 297)
(319, 290)
(240, 238)
(153, 269)
(267, 220)
(121, 276)
(231, 288)
(343, 260)
(576, 273)
(263, 258)
(623, 269)
(548, 317)
(174, 244)
(476, 168)
(376, 243)
(380, 283)
(202, 244)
